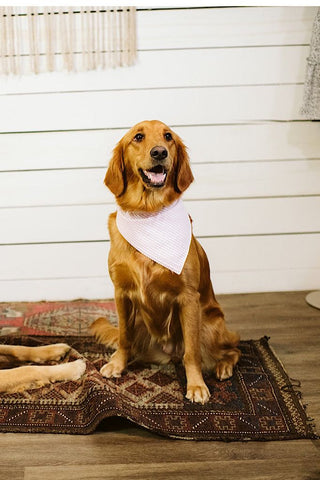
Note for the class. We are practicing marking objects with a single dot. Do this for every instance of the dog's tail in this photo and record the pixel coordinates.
(105, 332)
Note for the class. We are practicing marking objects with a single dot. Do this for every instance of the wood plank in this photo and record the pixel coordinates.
(246, 469)
(206, 144)
(219, 27)
(7, 472)
(210, 219)
(239, 264)
(241, 66)
(110, 442)
(212, 181)
(88, 110)
(284, 310)
(82, 447)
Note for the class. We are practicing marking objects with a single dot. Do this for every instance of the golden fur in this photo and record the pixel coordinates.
(34, 376)
(162, 315)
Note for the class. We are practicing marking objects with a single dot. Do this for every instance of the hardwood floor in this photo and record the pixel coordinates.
(120, 450)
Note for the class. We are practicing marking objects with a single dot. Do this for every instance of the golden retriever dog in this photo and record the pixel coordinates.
(27, 377)
(162, 315)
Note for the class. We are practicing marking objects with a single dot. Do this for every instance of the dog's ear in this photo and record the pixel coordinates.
(183, 171)
(115, 178)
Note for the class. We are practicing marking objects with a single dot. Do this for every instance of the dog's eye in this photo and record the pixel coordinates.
(139, 137)
(168, 136)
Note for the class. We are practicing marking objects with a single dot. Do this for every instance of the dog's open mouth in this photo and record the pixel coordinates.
(155, 177)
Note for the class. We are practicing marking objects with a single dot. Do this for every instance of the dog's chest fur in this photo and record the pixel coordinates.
(152, 289)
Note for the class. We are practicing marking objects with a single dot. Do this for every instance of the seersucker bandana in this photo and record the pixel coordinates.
(163, 236)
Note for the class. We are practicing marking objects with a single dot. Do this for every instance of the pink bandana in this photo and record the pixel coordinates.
(163, 236)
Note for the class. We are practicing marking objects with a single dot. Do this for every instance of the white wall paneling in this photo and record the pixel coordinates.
(205, 105)
(212, 219)
(230, 82)
(238, 264)
(231, 66)
(212, 181)
(227, 143)
(222, 27)
(57, 288)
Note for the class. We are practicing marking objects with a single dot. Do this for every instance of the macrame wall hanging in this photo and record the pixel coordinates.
(41, 39)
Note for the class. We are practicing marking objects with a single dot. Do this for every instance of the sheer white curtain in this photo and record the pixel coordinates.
(40, 39)
(311, 104)
(311, 101)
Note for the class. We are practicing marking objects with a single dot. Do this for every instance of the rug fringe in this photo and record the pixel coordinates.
(294, 385)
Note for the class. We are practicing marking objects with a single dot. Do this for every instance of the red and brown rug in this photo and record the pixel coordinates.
(258, 403)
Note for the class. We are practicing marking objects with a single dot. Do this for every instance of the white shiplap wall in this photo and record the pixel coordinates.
(230, 82)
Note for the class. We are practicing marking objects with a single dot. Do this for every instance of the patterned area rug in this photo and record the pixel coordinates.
(258, 403)
(53, 318)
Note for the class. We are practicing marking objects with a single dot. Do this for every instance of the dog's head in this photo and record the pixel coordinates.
(149, 168)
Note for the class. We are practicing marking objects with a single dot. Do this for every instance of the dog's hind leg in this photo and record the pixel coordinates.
(219, 350)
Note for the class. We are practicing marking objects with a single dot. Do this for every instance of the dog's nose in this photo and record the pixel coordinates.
(158, 153)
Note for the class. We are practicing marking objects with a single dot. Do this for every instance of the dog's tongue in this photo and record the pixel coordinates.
(155, 177)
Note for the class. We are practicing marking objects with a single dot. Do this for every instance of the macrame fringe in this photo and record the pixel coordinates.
(46, 39)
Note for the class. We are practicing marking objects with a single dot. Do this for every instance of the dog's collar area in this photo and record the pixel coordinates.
(154, 177)
(162, 236)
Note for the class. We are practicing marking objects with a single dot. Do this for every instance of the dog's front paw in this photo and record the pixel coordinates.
(77, 369)
(58, 351)
(198, 393)
(111, 370)
(48, 353)
(66, 372)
